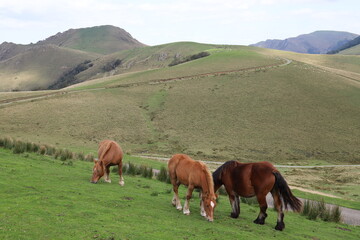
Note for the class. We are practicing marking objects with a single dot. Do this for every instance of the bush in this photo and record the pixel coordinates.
(19, 147)
(111, 65)
(163, 175)
(89, 158)
(177, 61)
(314, 210)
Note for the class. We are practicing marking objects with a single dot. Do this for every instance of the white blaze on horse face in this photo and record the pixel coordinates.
(212, 204)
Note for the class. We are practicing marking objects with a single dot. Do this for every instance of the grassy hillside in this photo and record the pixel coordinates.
(222, 58)
(39, 67)
(58, 196)
(351, 51)
(286, 114)
(101, 39)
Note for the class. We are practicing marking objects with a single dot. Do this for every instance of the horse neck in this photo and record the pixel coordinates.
(207, 184)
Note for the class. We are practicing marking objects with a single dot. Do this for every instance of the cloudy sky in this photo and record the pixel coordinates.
(162, 21)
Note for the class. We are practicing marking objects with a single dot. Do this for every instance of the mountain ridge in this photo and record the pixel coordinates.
(318, 42)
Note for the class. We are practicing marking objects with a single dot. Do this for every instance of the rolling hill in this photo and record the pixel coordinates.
(240, 102)
(101, 39)
(39, 67)
(45, 64)
(318, 42)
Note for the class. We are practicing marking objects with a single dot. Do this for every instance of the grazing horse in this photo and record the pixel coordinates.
(255, 179)
(194, 174)
(109, 154)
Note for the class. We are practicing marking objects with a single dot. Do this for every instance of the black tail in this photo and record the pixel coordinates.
(285, 193)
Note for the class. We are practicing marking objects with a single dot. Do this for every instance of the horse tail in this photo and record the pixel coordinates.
(284, 191)
(107, 148)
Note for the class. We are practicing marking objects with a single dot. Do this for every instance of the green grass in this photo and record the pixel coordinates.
(43, 199)
(351, 51)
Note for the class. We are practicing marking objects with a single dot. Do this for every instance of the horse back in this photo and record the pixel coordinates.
(186, 170)
(110, 153)
(250, 179)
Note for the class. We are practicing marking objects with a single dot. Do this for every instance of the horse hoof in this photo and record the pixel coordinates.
(280, 226)
(121, 184)
(187, 212)
(234, 215)
(259, 221)
(179, 208)
(108, 181)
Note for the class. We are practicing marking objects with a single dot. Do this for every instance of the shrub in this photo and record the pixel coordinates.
(111, 65)
(19, 147)
(89, 157)
(42, 149)
(314, 210)
(131, 170)
(8, 143)
(177, 61)
(163, 175)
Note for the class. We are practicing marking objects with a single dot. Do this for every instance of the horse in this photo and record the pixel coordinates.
(255, 179)
(109, 154)
(194, 174)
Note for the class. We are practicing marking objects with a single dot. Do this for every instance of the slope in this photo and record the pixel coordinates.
(355, 50)
(101, 39)
(39, 67)
(296, 112)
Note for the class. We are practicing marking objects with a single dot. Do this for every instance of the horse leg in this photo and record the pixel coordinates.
(235, 205)
(186, 210)
(107, 172)
(202, 210)
(263, 206)
(280, 225)
(121, 181)
(176, 201)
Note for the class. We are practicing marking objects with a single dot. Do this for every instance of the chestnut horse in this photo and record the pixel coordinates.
(255, 179)
(110, 154)
(194, 174)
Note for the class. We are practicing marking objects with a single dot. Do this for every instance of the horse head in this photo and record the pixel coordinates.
(98, 171)
(209, 201)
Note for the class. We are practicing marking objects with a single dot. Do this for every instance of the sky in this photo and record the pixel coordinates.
(239, 22)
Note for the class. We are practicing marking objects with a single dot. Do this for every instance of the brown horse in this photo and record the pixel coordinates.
(110, 154)
(255, 179)
(194, 174)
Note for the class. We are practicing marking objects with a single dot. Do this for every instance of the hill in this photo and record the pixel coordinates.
(318, 42)
(55, 62)
(38, 67)
(101, 39)
(355, 50)
(349, 48)
(240, 102)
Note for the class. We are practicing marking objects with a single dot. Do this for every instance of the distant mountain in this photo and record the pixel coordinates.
(41, 65)
(347, 45)
(319, 42)
(102, 39)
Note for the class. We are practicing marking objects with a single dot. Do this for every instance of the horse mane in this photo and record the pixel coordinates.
(208, 179)
(217, 175)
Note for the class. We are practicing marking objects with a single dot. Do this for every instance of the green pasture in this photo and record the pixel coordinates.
(44, 198)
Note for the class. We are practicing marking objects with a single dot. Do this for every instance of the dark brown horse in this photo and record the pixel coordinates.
(110, 154)
(255, 179)
(194, 174)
